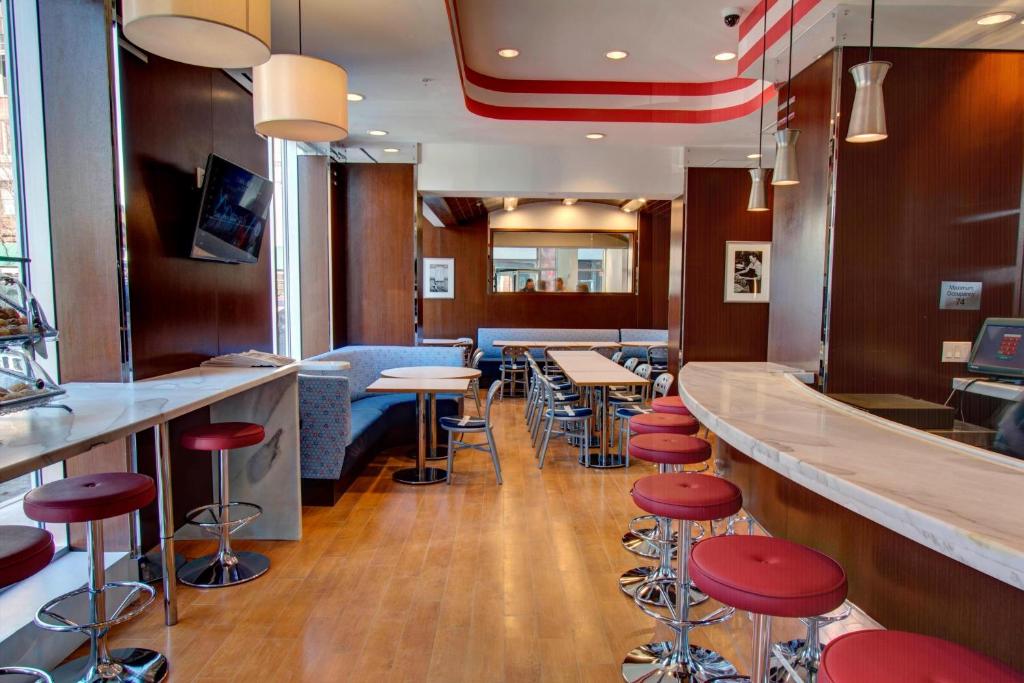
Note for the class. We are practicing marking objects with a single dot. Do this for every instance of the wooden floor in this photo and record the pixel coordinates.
(468, 582)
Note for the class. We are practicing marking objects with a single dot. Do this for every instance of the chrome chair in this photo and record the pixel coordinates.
(564, 395)
(467, 424)
(657, 357)
(513, 369)
(617, 356)
(631, 363)
(573, 422)
(550, 366)
(474, 384)
(466, 345)
(606, 351)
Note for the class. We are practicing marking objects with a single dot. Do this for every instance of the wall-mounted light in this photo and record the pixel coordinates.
(634, 204)
(510, 203)
(569, 201)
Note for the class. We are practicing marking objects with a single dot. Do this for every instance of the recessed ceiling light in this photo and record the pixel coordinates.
(725, 56)
(376, 132)
(355, 97)
(391, 150)
(755, 155)
(995, 18)
(595, 136)
(616, 54)
(508, 52)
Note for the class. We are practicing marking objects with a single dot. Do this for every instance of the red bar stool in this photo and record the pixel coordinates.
(641, 583)
(685, 497)
(769, 577)
(24, 550)
(663, 423)
(670, 404)
(901, 657)
(226, 567)
(92, 498)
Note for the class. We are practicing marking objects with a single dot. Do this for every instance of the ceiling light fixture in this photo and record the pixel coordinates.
(758, 200)
(616, 55)
(296, 97)
(634, 204)
(569, 201)
(230, 34)
(867, 119)
(595, 136)
(510, 203)
(725, 56)
(996, 18)
(785, 140)
(354, 97)
(508, 52)
(377, 133)
(391, 150)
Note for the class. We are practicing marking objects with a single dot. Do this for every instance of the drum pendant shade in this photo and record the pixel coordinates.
(223, 34)
(302, 98)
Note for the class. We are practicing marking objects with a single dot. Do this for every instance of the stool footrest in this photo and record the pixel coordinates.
(125, 611)
(673, 620)
(216, 511)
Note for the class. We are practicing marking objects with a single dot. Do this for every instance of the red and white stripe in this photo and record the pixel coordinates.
(751, 47)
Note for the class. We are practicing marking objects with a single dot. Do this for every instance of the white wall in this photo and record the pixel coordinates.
(554, 215)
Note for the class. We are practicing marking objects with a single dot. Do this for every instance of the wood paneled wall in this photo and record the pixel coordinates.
(374, 243)
(475, 306)
(940, 199)
(676, 247)
(716, 212)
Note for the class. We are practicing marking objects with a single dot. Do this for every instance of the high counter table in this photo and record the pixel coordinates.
(928, 528)
(103, 412)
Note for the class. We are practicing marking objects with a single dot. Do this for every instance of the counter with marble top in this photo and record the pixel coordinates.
(963, 502)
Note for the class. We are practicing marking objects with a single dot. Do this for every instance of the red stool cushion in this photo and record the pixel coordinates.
(687, 495)
(663, 423)
(670, 404)
(768, 575)
(222, 436)
(89, 497)
(669, 449)
(24, 550)
(901, 657)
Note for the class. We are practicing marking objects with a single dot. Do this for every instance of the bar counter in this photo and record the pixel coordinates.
(927, 528)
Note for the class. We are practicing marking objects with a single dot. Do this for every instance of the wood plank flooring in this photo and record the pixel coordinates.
(468, 582)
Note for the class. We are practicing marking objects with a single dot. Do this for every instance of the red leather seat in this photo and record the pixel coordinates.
(222, 436)
(89, 497)
(663, 423)
(24, 550)
(768, 575)
(901, 657)
(669, 449)
(670, 404)
(687, 495)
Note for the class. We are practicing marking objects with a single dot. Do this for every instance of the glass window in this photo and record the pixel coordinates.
(562, 261)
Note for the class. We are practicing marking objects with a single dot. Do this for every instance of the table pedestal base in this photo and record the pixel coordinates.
(431, 475)
(604, 462)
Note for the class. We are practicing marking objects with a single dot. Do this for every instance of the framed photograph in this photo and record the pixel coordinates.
(438, 278)
(747, 272)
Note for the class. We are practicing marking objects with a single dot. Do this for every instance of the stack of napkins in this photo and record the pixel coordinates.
(249, 359)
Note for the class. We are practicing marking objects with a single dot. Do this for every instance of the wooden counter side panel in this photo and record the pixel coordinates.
(898, 582)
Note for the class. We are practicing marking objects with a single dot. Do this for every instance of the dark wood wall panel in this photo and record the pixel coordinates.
(898, 582)
(940, 199)
(716, 212)
(800, 221)
(376, 238)
(674, 316)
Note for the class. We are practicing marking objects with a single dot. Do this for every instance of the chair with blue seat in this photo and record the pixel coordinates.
(657, 357)
(573, 423)
(513, 369)
(474, 384)
(564, 395)
(466, 424)
(618, 356)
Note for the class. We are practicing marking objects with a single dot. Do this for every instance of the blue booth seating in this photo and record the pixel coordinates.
(342, 426)
(487, 335)
(627, 335)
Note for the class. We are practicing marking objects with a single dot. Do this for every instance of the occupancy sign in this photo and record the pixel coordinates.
(964, 296)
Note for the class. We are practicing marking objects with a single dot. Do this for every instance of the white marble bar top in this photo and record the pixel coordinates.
(961, 501)
(103, 412)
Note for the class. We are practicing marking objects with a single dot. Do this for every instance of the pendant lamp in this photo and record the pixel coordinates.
(785, 140)
(758, 200)
(223, 34)
(867, 120)
(302, 98)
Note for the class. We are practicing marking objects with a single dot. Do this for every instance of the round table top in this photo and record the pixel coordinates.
(432, 372)
(315, 366)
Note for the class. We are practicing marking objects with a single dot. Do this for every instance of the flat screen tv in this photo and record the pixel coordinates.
(233, 213)
(999, 349)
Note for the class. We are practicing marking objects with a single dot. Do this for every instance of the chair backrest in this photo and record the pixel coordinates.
(617, 357)
(662, 384)
(643, 370)
(467, 350)
(606, 351)
(513, 353)
(657, 354)
(477, 355)
(495, 386)
(631, 364)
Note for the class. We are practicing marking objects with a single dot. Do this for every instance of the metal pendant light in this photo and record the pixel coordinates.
(785, 140)
(867, 120)
(758, 200)
(296, 97)
(225, 34)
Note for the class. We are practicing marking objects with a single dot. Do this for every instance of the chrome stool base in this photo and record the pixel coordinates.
(211, 571)
(793, 651)
(34, 674)
(640, 583)
(656, 662)
(125, 665)
(151, 566)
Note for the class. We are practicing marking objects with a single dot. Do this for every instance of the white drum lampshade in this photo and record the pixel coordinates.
(223, 34)
(302, 98)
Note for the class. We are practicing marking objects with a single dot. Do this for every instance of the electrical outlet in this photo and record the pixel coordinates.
(955, 352)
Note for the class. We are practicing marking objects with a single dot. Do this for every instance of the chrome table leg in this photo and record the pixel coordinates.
(165, 503)
(421, 474)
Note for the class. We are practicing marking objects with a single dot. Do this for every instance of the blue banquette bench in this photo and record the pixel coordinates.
(486, 336)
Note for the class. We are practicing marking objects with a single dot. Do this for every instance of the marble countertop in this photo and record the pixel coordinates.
(103, 412)
(961, 501)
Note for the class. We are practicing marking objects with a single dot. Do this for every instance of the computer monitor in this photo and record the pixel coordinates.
(999, 349)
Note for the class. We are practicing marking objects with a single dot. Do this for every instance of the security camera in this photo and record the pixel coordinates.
(731, 16)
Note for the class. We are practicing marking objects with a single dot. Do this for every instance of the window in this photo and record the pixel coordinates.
(562, 261)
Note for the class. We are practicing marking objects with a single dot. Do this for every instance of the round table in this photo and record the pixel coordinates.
(432, 372)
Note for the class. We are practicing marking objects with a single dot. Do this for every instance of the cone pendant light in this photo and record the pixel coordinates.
(758, 199)
(785, 139)
(297, 97)
(867, 120)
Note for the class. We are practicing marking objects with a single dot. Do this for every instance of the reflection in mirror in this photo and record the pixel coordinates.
(561, 261)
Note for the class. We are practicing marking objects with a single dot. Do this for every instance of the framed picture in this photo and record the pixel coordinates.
(747, 272)
(438, 278)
